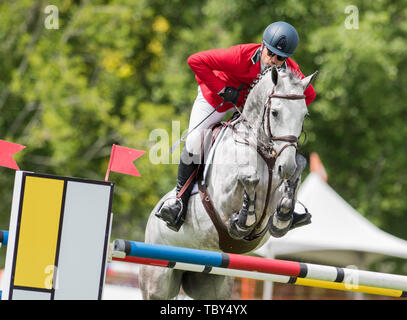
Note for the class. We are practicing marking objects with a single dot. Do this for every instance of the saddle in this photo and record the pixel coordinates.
(216, 131)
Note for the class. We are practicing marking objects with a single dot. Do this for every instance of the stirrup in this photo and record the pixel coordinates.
(175, 224)
(301, 219)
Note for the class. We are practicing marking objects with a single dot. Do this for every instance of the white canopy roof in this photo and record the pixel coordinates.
(338, 234)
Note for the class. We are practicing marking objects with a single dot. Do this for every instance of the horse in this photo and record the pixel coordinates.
(247, 192)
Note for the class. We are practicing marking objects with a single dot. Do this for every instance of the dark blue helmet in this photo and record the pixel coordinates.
(281, 38)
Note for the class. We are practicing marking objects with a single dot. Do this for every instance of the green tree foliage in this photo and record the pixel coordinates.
(115, 71)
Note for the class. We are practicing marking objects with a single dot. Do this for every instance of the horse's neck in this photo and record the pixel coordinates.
(253, 112)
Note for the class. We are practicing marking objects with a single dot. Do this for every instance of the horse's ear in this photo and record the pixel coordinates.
(274, 75)
(308, 80)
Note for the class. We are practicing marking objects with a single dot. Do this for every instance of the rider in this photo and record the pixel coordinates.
(221, 73)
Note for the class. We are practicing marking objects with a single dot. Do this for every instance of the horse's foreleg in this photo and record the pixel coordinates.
(159, 283)
(243, 222)
(283, 218)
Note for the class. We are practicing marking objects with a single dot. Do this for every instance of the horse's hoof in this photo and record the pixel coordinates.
(237, 231)
(277, 231)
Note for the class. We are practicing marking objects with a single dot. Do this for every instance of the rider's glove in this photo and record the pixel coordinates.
(229, 94)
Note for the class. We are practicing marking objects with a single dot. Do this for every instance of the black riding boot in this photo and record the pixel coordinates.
(174, 214)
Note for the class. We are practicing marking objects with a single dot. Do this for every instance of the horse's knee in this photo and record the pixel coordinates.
(248, 173)
(249, 178)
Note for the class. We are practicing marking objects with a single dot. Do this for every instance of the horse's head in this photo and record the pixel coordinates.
(276, 108)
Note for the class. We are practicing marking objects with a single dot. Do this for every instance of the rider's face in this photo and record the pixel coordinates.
(267, 60)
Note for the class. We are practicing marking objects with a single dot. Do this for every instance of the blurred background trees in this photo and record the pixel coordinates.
(116, 70)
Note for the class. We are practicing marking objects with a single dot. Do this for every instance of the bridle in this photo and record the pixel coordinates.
(292, 140)
(265, 123)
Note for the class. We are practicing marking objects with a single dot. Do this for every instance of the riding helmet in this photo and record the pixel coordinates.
(281, 38)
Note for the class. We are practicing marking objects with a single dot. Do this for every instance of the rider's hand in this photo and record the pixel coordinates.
(229, 94)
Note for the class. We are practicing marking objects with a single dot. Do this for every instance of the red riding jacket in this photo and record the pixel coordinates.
(219, 68)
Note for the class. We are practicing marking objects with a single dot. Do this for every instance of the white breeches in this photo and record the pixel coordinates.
(200, 110)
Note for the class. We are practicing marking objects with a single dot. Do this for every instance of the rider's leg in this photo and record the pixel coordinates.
(174, 212)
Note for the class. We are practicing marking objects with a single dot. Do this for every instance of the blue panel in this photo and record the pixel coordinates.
(187, 255)
(3, 237)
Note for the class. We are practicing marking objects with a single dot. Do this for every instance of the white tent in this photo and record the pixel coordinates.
(338, 234)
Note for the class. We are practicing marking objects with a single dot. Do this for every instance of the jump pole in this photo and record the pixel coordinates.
(306, 273)
(262, 276)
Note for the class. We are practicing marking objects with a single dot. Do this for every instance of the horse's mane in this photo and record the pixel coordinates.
(294, 76)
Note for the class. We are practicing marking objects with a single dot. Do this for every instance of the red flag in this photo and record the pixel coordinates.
(7, 149)
(121, 160)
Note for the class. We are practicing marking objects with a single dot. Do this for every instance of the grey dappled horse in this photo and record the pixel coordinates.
(250, 203)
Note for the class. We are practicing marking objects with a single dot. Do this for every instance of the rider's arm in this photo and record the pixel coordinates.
(204, 64)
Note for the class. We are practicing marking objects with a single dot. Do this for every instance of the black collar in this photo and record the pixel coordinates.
(256, 56)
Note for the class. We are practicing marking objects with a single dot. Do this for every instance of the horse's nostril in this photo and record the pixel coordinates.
(279, 170)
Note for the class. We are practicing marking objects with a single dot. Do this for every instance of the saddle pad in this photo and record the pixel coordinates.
(195, 189)
(208, 163)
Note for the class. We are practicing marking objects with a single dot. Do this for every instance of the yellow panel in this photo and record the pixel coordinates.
(348, 287)
(39, 228)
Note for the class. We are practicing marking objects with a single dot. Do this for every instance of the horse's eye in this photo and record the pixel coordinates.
(274, 113)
